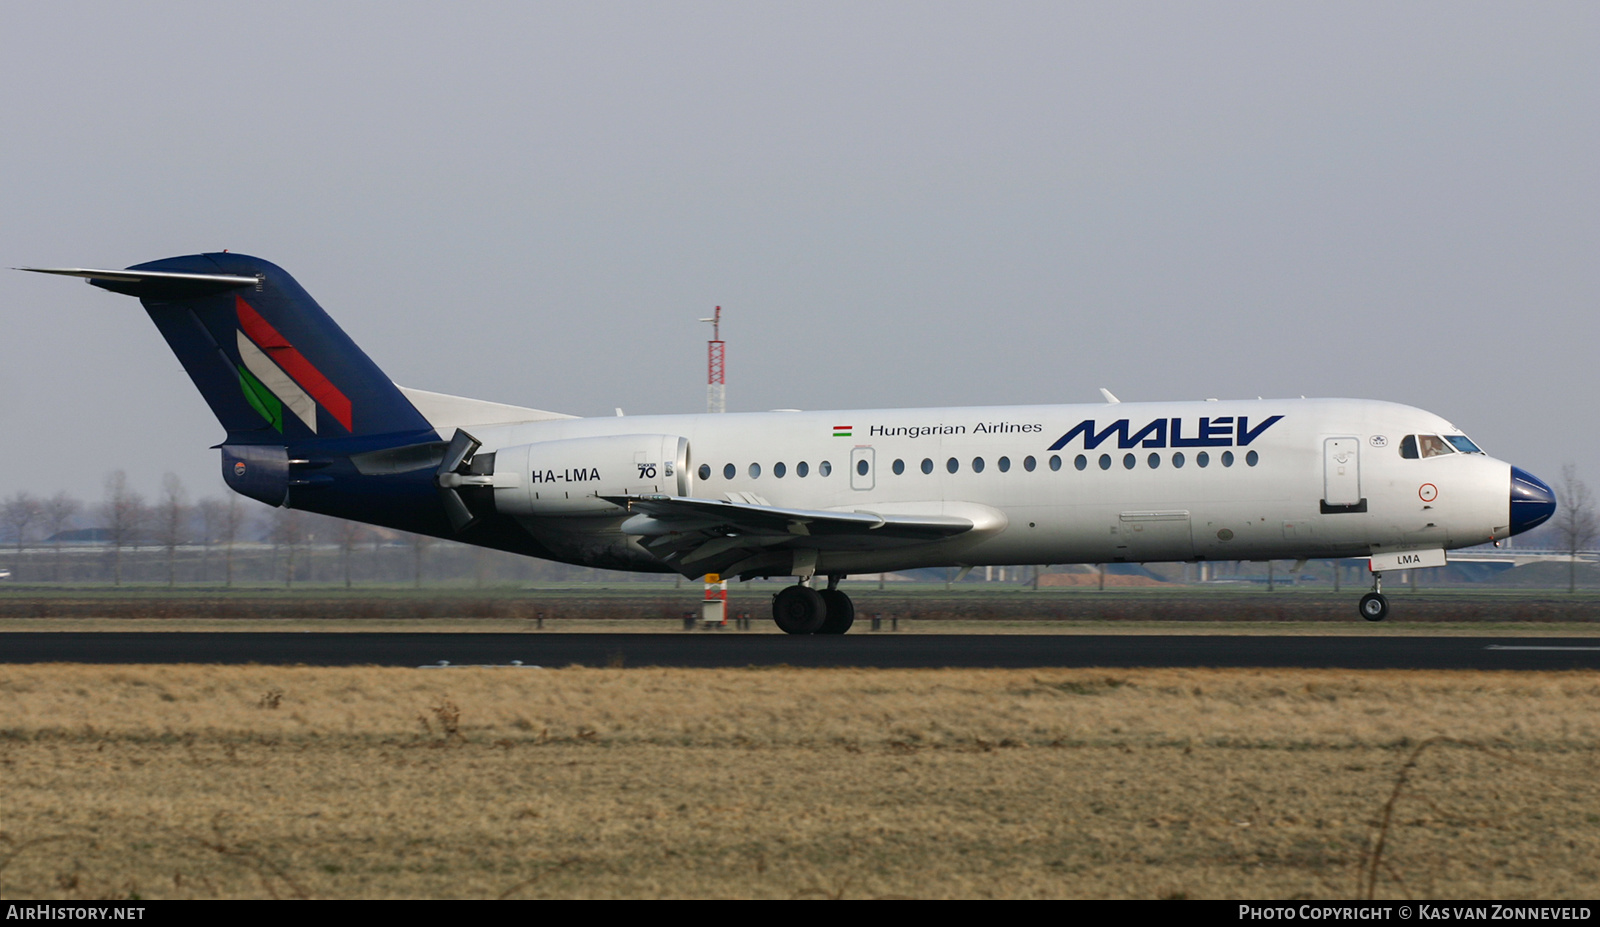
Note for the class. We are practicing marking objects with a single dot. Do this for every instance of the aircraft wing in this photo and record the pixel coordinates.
(717, 536)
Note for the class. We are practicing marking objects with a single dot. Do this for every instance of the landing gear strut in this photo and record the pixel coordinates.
(799, 609)
(1375, 605)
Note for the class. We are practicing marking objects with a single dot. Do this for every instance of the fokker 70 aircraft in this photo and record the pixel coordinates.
(313, 424)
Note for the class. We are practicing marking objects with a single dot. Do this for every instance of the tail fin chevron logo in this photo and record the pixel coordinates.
(275, 376)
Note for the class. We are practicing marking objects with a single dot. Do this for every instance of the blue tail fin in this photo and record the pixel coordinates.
(272, 365)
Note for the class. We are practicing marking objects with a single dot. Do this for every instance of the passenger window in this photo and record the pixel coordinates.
(1203, 459)
(977, 465)
(1155, 461)
(927, 465)
(1177, 460)
(1252, 458)
(802, 469)
(1080, 461)
(1055, 462)
(1105, 461)
(899, 467)
(861, 466)
(1004, 464)
(778, 470)
(1028, 463)
(755, 471)
(824, 469)
(705, 471)
(952, 465)
(1227, 458)
(1128, 460)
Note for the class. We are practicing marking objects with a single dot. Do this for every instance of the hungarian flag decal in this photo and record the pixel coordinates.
(274, 376)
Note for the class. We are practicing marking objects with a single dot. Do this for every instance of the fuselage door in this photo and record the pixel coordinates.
(1341, 471)
(1153, 536)
(861, 466)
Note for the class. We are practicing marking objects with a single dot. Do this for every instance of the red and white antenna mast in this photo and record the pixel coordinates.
(716, 368)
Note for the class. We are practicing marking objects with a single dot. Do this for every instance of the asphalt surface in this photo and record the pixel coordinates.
(863, 650)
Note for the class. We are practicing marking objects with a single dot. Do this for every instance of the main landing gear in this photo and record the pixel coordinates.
(800, 609)
(1375, 605)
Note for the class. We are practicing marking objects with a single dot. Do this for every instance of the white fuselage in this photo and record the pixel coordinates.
(312, 423)
(1177, 481)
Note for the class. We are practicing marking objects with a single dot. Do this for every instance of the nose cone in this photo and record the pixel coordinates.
(1532, 501)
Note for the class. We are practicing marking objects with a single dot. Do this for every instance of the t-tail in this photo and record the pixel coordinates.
(294, 393)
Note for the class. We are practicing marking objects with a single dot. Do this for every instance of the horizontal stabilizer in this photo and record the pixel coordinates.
(152, 284)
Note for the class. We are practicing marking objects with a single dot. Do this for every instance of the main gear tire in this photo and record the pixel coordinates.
(799, 610)
(841, 612)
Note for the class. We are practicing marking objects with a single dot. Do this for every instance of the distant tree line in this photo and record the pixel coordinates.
(231, 540)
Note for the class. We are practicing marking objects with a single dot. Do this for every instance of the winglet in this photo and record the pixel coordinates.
(1107, 393)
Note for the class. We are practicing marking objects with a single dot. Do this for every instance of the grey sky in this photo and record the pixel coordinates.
(896, 204)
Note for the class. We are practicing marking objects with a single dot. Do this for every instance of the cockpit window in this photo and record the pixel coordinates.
(1433, 446)
(1415, 446)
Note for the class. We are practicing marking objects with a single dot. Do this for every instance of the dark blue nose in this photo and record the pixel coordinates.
(1532, 501)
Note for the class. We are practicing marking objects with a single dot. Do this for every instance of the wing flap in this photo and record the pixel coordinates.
(710, 534)
(666, 514)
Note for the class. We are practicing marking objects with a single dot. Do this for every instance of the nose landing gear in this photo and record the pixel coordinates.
(1375, 605)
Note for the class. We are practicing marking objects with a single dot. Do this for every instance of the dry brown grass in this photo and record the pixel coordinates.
(162, 781)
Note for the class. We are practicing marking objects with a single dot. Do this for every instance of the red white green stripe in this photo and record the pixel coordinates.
(274, 375)
(279, 385)
(842, 431)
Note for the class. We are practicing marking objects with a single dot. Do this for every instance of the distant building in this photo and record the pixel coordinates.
(81, 536)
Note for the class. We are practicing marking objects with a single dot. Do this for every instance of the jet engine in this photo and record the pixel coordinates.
(567, 477)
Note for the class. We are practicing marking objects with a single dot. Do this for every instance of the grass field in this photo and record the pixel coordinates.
(153, 782)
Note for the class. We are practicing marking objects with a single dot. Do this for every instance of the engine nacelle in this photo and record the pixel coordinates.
(567, 477)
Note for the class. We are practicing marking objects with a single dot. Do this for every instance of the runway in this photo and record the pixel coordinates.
(733, 650)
